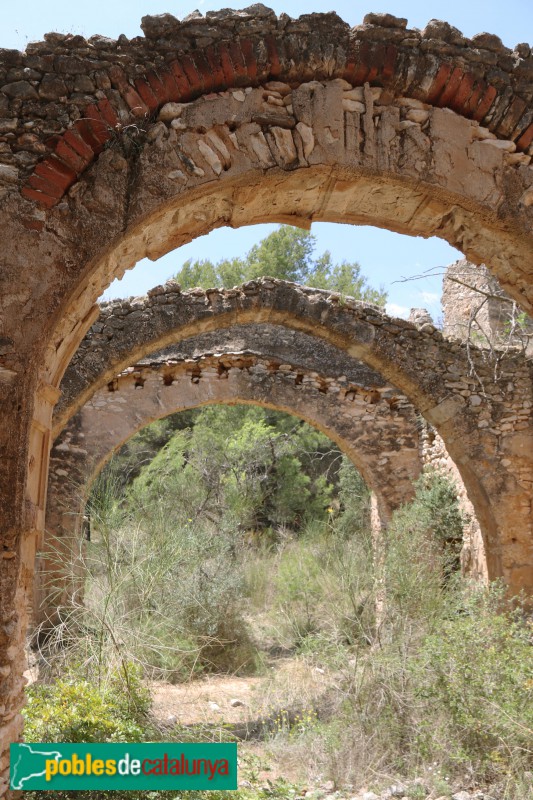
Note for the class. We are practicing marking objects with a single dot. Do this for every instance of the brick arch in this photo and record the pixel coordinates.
(438, 67)
(374, 125)
(372, 423)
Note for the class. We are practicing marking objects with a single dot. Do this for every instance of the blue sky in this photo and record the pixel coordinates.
(384, 257)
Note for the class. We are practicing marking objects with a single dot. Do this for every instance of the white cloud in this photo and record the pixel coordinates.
(395, 310)
(430, 297)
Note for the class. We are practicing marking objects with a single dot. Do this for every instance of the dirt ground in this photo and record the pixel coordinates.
(195, 702)
(286, 682)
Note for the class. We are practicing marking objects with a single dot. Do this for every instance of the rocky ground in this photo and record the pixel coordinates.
(233, 703)
(245, 705)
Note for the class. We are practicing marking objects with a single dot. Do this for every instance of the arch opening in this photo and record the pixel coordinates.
(237, 465)
(332, 195)
(371, 421)
(328, 159)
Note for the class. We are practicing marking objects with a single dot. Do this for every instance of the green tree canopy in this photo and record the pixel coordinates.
(242, 465)
(287, 254)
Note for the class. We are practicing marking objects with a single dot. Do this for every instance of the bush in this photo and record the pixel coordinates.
(444, 692)
(165, 596)
(323, 587)
(74, 710)
(421, 555)
(476, 674)
(214, 540)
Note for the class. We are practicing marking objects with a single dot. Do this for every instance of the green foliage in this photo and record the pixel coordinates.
(248, 527)
(477, 674)
(299, 589)
(74, 710)
(287, 254)
(240, 467)
(167, 591)
(518, 323)
(318, 586)
(157, 481)
(436, 502)
(198, 273)
(422, 548)
(354, 501)
(138, 451)
(438, 684)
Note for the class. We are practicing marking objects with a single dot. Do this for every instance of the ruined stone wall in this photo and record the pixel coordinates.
(476, 309)
(374, 423)
(483, 415)
(399, 351)
(272, 359)
(197, 102)
(476, 306)
(96, 87)
(434, 455)
(240, 118)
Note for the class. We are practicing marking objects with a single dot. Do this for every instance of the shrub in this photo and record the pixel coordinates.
(74, 710)
(445, 691)
(476, 673)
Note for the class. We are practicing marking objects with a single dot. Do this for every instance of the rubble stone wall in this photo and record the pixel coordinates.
(476, 307)
(113, 151)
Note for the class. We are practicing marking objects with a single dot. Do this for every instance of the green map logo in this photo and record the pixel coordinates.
(151, 766)
(28, 764)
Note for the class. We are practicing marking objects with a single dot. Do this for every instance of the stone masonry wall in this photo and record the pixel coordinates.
(97, 87)
(475, 304)
(95, 179)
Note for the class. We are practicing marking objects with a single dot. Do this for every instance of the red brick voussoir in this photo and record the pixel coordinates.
(439, 66)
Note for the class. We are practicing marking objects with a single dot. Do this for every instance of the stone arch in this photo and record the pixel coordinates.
(412, 157)
(235, 162)
(452, 78)
(382, 127)
(372, 423)
(482, 416)
(308, 355)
